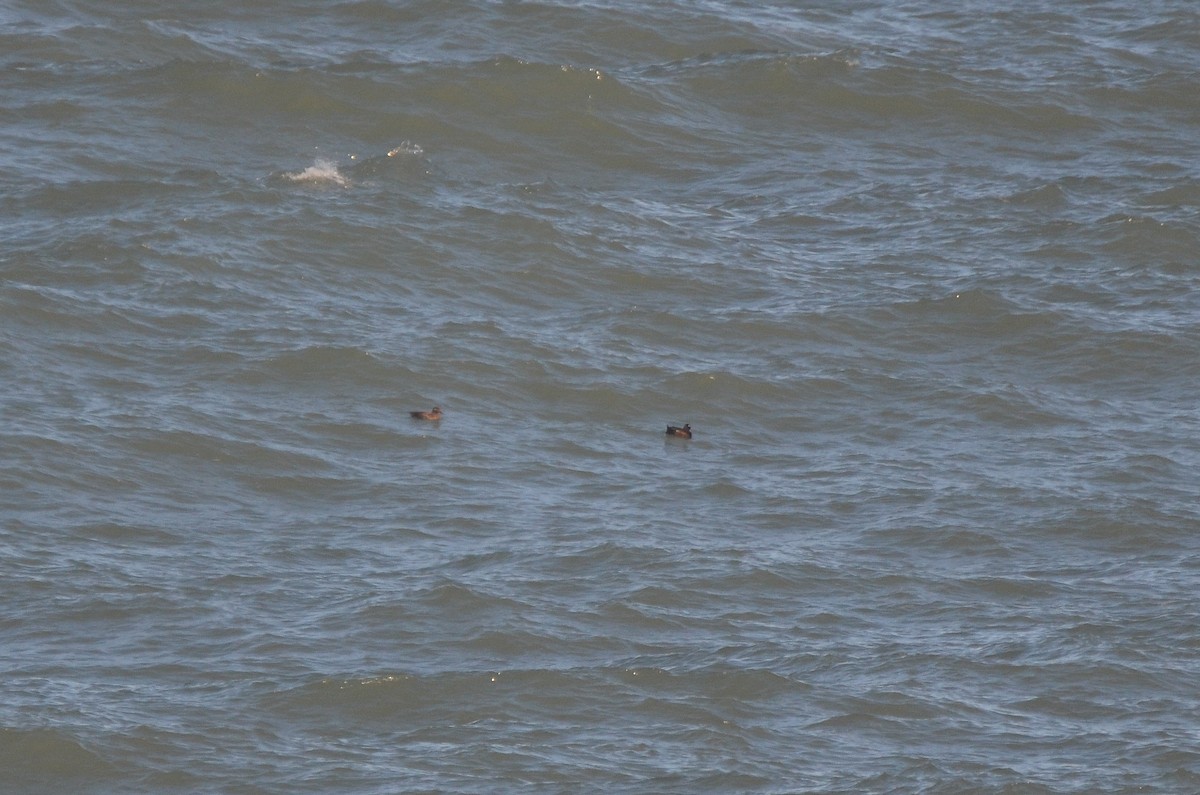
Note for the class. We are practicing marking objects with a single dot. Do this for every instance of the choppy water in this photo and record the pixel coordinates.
(924, 278)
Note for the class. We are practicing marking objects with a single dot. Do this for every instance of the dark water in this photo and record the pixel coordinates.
(923, 277)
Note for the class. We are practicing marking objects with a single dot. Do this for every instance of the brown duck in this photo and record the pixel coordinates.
(435, 414)
(685, 431)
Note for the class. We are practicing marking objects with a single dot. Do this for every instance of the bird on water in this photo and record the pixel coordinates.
(435, 414)
(684, 432)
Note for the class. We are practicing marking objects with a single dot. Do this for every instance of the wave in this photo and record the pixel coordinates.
(48, 758)
(321, 172)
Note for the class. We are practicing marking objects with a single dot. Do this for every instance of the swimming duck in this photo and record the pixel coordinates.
(685, 431)
(435, 414)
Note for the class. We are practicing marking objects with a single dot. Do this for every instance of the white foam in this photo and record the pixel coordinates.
(322, 171)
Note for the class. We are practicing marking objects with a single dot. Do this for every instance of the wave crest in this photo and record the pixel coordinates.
(321, 172)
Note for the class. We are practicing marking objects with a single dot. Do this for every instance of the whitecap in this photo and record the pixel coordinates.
(320, 172)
